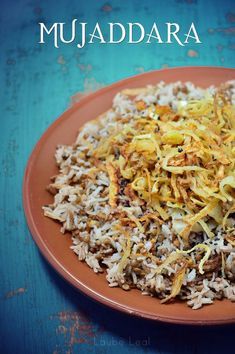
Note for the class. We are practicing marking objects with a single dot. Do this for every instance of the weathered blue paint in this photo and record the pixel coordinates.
(40, 313)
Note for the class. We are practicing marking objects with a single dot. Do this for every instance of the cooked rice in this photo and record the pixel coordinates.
(108, 219)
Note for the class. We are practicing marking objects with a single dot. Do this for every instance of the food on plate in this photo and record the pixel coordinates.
(148, 192)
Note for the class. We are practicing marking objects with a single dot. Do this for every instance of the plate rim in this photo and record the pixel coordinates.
(50, 257)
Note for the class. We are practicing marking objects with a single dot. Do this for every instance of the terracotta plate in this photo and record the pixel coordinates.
(46, 232)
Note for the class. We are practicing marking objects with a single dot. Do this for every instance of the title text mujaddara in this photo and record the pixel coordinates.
(116, 32)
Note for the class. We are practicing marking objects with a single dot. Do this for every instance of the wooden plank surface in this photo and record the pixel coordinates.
(40, 313)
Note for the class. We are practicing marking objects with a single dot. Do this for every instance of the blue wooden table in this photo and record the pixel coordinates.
(40, 312)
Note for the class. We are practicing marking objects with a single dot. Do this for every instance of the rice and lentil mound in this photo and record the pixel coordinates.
(148, 192)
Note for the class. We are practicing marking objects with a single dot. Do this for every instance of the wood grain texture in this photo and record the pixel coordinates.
(40, 313)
